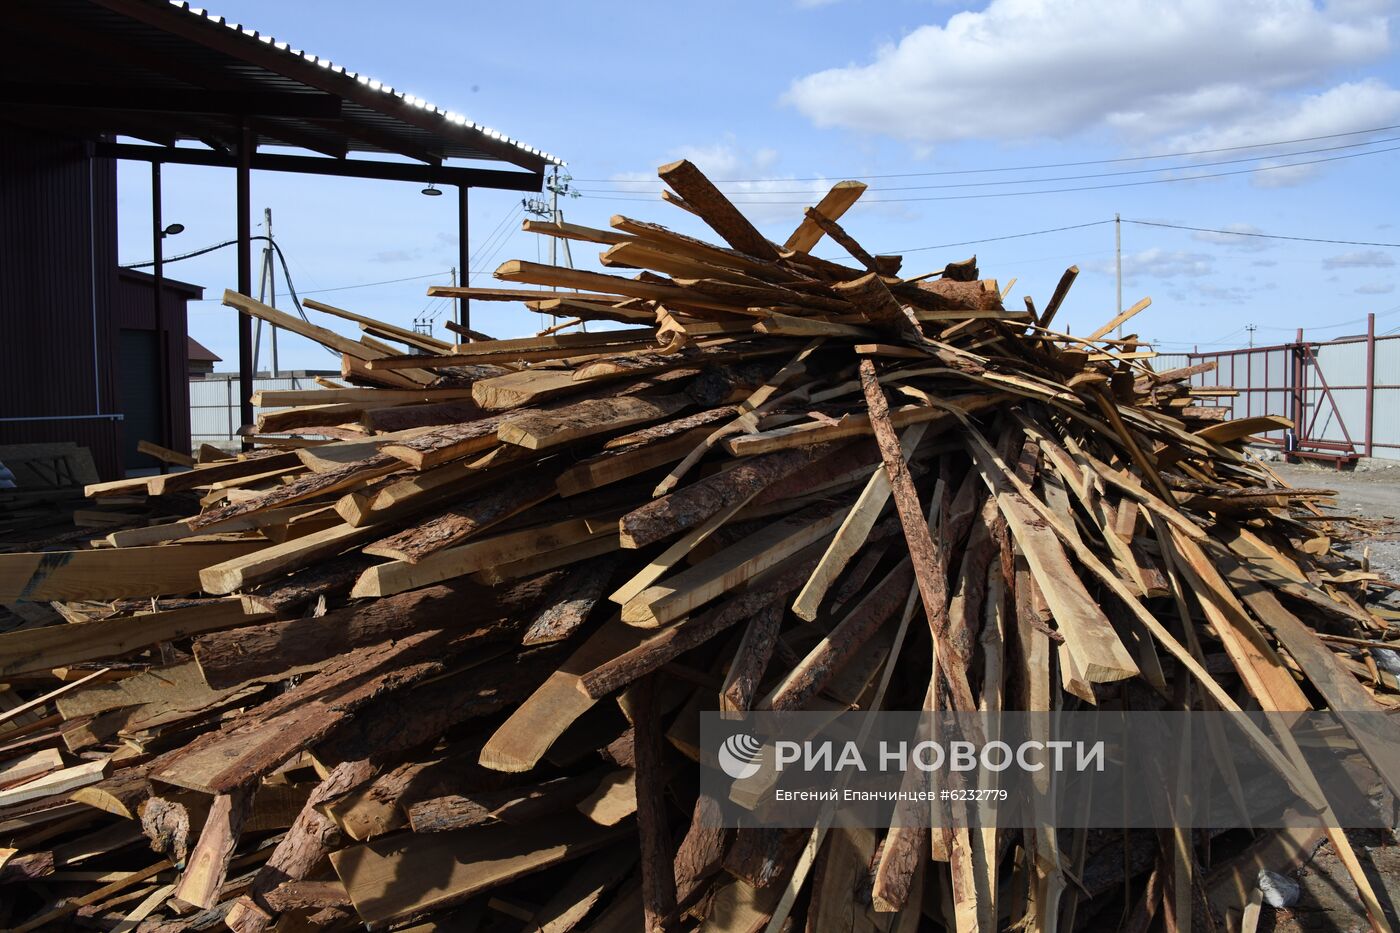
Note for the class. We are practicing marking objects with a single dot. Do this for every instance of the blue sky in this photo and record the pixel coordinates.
(798, 95)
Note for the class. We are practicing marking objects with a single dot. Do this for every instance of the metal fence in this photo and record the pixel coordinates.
(1342, 395)
(214, 403)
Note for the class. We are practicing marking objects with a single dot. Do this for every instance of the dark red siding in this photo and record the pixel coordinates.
(58, 259)
(134, 309)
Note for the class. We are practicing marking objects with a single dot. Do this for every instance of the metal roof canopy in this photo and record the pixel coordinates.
(162, 72)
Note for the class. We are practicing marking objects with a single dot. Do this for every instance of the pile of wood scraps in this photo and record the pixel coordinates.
(433, 654)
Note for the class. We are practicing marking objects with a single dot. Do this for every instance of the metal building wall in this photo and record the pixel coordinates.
(58, 259)
(214, 403)
(133, 308)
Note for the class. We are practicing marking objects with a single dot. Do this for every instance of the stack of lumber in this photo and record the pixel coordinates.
(432, 655)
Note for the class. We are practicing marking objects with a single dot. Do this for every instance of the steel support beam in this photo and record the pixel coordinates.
(464, 310)
(245, 280)
(344, 168)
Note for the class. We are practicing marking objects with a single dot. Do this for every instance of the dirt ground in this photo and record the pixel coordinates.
(1372, 493)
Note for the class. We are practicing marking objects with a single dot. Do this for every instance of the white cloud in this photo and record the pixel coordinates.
(1202, 73)
(1160, 263)
(1246, 244)
(727, 160)
(1361, 259)
(1376, 288)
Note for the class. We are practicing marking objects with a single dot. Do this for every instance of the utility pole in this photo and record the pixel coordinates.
(459, 301)
(1251, 328)
(556, 184)
(1118, 249)
(267, 294)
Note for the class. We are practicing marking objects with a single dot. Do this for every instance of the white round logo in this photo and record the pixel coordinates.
(739, 756)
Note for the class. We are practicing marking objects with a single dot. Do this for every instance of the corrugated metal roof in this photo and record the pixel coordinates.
(72, 59)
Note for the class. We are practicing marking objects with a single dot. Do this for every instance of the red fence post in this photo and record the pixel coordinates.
(1370, 377)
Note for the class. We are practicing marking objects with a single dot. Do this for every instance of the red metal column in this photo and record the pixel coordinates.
(1370, 378)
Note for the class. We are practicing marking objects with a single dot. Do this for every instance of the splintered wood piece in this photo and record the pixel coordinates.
(208, 864)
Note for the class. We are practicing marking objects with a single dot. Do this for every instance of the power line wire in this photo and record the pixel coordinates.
(1267, 236)
(1032, 181)
(865, 202)
(1027, 168)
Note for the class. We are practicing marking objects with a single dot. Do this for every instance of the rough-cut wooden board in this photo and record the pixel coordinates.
(520, 742)
(19, 770)
(1090, 637)
(833, 205)
(55, 782)
(572, 423)
(691, 588)
(399, 575)
(852, 534)
(269, 562)
(111, 573)
(448, 868)
(1243, 427)
(55, 646)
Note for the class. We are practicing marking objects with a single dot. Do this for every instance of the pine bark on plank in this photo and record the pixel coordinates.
(457, 524)
(751, 659)
(568, 607)
(449, 443)
(572, 423)
(302, 489)
(306, 843)
(256, 743)
(382, 731)
(272, 648)
(689, 506)
(658, 879)
(326, 579)
(929, 563)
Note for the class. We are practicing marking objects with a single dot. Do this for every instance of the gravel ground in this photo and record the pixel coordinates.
(1372, 494)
